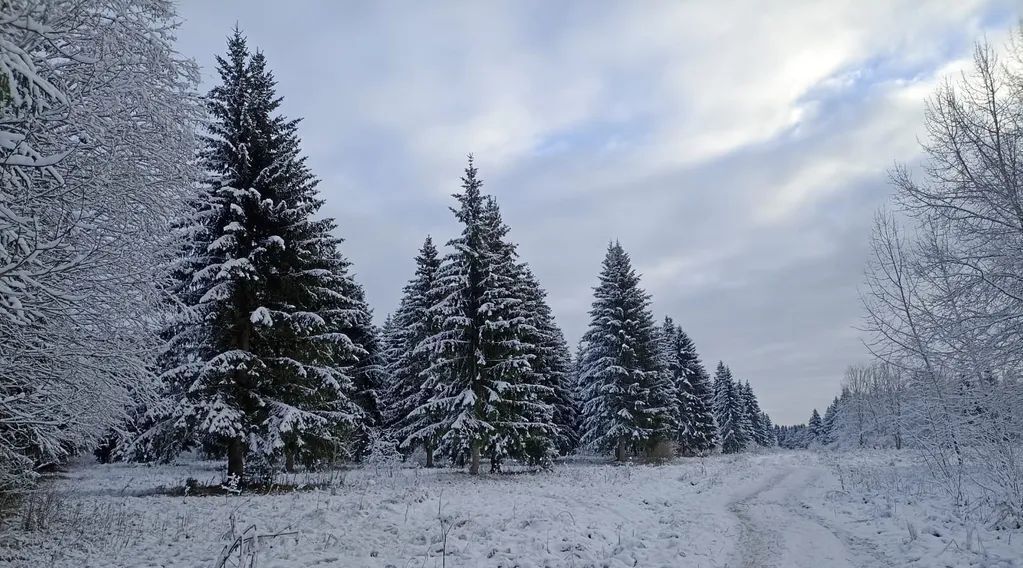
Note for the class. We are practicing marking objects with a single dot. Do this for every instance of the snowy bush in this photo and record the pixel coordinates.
(384, 456)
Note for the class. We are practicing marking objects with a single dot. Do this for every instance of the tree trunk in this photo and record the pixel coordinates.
(474, 464)
(236, 460)
(235, 447)
(429, 454)
(620, 450)
(289, 459)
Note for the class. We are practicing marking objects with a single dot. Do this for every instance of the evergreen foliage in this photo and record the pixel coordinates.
(828, 425)
(731, 412)
(627, 400)
(413, 323)
(759, 432)
(551, 366)
(272, 329)
(815, 428)
(484, 400)
(704, 435)
(697, 430)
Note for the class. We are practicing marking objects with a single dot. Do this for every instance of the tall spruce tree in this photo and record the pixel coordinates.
(577, 387)
(551, 366)
(389, 352)
(260, 363)
(815, 428)
(770, 433)
(370, 374)
(757, 433)
(411, 387)
(624, 402)
(828, 424)
(730, 409)
(484, 402)
(704, 429)
(697, 430)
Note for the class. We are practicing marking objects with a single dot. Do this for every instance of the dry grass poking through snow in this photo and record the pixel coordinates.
(582, 513)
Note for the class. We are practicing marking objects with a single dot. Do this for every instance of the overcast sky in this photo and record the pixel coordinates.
(737, 149)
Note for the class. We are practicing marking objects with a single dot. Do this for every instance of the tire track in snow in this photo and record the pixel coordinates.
(755, 546)
(777, 530)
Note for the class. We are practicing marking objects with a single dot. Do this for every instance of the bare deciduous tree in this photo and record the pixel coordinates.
(96, 127)
(944, 292)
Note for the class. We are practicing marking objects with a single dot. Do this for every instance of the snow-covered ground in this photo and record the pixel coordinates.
(783, 509)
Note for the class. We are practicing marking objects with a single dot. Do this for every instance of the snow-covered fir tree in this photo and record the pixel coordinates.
(411, 386)
(730, 411)
(792, 437)
(370, 374)
(828, 424)
(815, 428)
(770, 435)
(389, 350)
(705, 435)
(697, 430)
(483, 402)
(577, 386)
(551, 366)
(273, 328)
(624, 406)
(759, 434)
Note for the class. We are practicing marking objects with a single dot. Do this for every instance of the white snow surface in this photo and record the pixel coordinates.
(779, 509)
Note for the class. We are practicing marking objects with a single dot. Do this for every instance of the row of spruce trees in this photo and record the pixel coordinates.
(272, 359)
(816, 433)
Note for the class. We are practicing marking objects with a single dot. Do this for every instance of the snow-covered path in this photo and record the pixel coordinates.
(778, 509)
(779, 529)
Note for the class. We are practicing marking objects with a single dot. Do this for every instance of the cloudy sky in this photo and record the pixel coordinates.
(737, 149)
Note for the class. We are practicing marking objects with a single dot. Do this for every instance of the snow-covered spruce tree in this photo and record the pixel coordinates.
(770, 434)
(577, 386)
(268, 340)
(758, 434)
(672, 369)
(483, 402)
(527, 431)
(411, 386)
(828, 425)
(389, 352)
(730, 411)
(697, 430)
(814, 429)
(551, 366)
(370, 374)
(97, 117)
(705, 435)
(620, 366)
(790, 437)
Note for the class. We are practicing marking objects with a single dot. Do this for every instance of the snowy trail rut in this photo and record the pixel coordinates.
(765, 510)
(777, 530)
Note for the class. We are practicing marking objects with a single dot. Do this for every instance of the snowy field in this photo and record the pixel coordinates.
(783, 509)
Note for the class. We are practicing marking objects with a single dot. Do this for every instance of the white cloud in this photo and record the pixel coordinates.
(726, 143)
